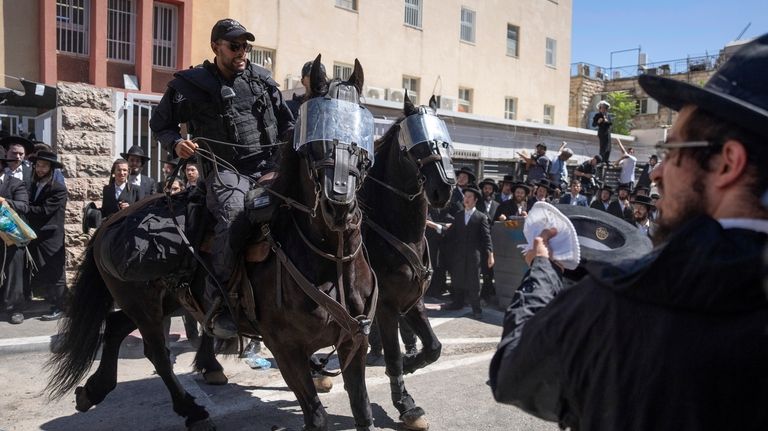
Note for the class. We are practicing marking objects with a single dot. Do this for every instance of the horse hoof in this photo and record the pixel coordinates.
(215, 378)
(414, 420)
(82, 403)
(323, 384)
(202, 425)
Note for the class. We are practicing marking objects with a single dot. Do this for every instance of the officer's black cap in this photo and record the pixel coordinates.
(229, 29)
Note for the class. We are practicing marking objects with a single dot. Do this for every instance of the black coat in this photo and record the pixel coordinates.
(598, 205)
(470, 244)
(508, 208)
(628, 214)
(109, 205)
(14, 192)
(674, 341)
(46, 217)
(492, 212)
(148, 187)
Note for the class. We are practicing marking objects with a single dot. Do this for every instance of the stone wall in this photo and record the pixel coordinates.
(582, 89)
(84, 141)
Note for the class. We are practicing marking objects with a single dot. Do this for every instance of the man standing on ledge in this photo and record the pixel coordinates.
(228, 101)
(675, 340)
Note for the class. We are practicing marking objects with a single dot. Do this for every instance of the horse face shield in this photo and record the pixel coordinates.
(425, 137)
(337, 136)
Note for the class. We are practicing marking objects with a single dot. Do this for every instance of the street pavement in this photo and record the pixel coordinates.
(453, 390)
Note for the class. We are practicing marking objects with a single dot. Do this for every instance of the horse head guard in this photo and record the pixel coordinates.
(425, 139)
(335, 133)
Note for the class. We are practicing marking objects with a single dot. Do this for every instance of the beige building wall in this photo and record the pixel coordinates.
(388, 49)
(19, 42)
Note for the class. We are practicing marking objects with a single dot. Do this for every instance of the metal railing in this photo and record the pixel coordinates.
(669, 67)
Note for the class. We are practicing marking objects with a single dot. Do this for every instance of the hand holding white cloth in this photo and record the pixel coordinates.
(564, 246)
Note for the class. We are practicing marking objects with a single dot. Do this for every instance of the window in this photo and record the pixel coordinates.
(551, 57)
(465, 100)
(72, 24)
(263, 57)
(467, 25)
(549, 114)
(347, 4)
(164, 35)
(413, 13)
(513, 40)
(646, 106)
(342, 71)
(412, 85)
(121, 36)
(510, 108)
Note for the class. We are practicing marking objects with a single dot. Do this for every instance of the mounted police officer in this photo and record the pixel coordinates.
(227, 101)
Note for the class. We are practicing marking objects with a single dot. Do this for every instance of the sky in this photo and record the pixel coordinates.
(665, 30)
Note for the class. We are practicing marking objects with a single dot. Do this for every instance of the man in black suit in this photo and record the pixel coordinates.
(603, 201)
(16, 149)
(621, 207)
(145, 186)
(517, 206)
(13, 192)
(464, 177)
(48, 201)
(470, 236)
(119, 193)
(488, 206)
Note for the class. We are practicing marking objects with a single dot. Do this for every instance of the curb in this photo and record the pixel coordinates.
(25, 345)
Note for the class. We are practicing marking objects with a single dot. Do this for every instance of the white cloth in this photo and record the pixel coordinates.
(758, 225)
(627, 174)
(135, 180)
(17, 173)
(564, 245)
(468, 215)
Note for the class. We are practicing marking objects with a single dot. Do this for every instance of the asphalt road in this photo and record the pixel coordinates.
(453, 391)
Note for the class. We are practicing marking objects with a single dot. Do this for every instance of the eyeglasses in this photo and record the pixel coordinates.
(663, 150)
(235, 46)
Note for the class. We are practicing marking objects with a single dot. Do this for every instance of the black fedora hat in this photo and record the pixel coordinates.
(543, 182)
(91, 217)
(644, 200)
(174, 161)
(29, 146)
(508, 179)
(470, 173)
(736, 92)
(472, 188)
(607, 187)
(48, 156)
(135, 150)
(491, 182)
(523, 186)
(605, 239)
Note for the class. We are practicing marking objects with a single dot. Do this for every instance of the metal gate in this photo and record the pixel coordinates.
(132, 115)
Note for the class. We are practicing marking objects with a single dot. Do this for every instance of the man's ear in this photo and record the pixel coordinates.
(732, 164)
(213, 48)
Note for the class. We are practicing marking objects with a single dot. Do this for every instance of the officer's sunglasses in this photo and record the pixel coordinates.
(664, 150)
(235, 46)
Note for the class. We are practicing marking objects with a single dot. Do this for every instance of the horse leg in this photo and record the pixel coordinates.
(354, 384)
(207, 364)
(410, 413)
(431, 347)
(295, 369)
(104, 380)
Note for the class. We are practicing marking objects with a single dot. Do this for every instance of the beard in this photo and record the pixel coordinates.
(692, 204)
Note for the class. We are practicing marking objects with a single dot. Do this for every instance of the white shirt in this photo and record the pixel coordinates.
(119, 190)
(17, 173)
(505, 198)
(135, 180)
(468, 215)
(758, 225)
(488, 207)
(627, 174)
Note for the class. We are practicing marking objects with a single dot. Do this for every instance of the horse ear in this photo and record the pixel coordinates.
(318, 82)
(357, 78)
(408, 107)
(433, 102)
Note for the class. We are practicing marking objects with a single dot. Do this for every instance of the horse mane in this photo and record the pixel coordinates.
(389, 136)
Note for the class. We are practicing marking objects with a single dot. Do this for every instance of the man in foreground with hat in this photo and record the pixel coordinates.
(642, 212)
(674, 340)
(12, 192)
(47, 205)
(145, 186)
(231, 101)
(470, 238)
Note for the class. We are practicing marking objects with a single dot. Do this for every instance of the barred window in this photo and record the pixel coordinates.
(465, 100)
(347, 4)
(263, 57)
(72, 26)
(510, 108)
(513, 40)
(549, 114)
(164, 35)
(121, 33)
(467, 25)
(413, 13)
(342, 71)
(551, 56)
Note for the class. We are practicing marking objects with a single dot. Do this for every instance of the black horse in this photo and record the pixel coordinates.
(315, 288)
(413, 168)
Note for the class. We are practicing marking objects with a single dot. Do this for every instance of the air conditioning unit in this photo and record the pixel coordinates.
(375, 93)
(448, 103)
(292, 81)
(396, 94)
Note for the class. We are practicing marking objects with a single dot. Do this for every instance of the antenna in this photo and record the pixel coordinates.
(438, 81)
(743, 31)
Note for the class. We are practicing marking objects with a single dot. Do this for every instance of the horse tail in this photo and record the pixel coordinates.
(80, 337)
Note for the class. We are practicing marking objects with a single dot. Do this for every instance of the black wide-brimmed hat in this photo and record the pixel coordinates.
(605, 239)
(91, 217)
(470, 173)
(491, 182)
(135, 150)
(737, 92)
(607, 187)
(643, 200)
(29, 146)
(646, 188)
(508, 179)
(48, 156)
(472, 188)
(543, 182)
(174, 161)
(523, 186)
